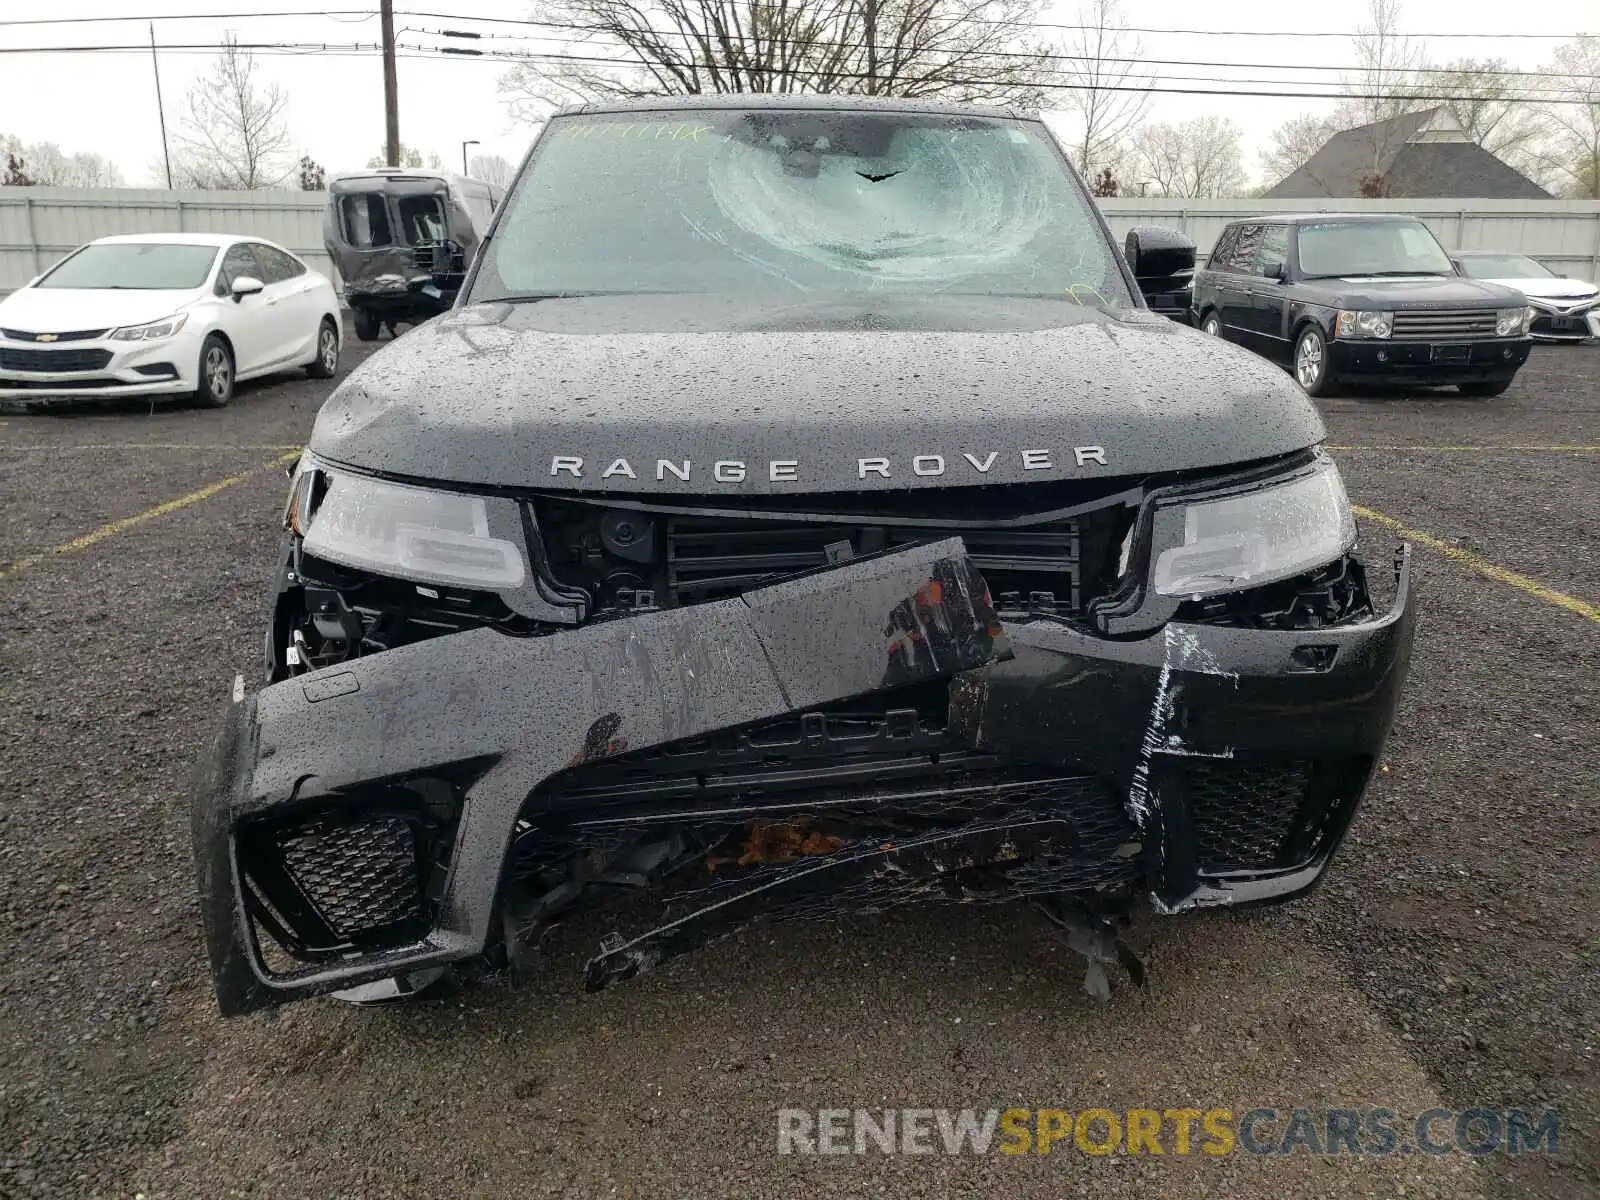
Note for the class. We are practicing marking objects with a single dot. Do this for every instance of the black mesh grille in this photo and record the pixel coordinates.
(1244, 814)
(710, 558)
(359, 877)
(54, 360)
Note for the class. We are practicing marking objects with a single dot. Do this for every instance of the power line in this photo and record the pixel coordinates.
(1156, 86)
(1080, 27)
(1009, 54)
(363, 13)
(1453, 35)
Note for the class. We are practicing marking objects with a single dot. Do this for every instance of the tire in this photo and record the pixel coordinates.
(1311, 361)
(1211, 325)
(367, 325)
(1490, 387)
(326, 363)
(216, 374)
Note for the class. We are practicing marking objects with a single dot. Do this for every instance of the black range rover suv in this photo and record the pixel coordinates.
(800, 511)
(1360, 298)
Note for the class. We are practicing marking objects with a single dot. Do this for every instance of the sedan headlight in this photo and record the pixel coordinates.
(1253, 538)
(410, 532)
(1364, 324)
(1512, 322)
(153, 332)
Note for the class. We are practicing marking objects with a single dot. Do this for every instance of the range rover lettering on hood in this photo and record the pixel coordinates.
(790, 470)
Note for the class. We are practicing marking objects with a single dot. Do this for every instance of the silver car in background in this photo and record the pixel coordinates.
(1564, 309)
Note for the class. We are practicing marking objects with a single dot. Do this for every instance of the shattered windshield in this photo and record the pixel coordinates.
(799, 201)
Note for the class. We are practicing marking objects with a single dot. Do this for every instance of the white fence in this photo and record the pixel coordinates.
(39, 225)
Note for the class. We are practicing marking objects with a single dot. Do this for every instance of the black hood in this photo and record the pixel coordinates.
(1411, 292)
(950, 390)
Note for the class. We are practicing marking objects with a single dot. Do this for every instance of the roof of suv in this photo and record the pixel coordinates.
(789, 100)
(1308, 218)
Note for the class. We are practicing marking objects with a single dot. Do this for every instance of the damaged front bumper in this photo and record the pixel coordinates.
(856, 738)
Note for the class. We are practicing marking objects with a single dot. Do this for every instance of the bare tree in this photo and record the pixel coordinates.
(410, 157)
(1198, 158)
(1485, 103)
(1105, 185)
(232, 133)
(13, 171)
(1385, 84)
(493, 169)
(46, 164)
(951, 49)
(1571, 151)
(1109, 92)
(1293, 144)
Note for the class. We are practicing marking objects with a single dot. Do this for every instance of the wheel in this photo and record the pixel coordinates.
(367, 325)
(326, 363)
(1489, 387)
(1311, 361)
(216, 374)
(1211, 326)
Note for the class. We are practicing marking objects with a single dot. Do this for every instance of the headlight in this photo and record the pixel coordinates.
(154, 331)
(410, 532)
(1364, 324)
(1244, 541)
(1512, 322)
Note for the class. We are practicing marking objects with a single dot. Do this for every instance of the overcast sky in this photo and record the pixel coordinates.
(105, 103)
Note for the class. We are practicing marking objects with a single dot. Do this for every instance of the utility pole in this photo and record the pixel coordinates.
(391, 100)
(161, 112)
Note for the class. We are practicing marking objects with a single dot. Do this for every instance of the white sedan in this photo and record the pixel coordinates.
(1564, 310)
(167, 315)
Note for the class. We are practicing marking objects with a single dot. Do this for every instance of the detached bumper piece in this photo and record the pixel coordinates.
(861, 737)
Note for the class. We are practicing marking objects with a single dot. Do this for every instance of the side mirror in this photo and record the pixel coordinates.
(1157, 253)
(246, 285)
(1162, 260)
(1278, 271)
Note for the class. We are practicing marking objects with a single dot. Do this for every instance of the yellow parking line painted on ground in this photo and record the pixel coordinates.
(1575, 449)
(251, 447)
(123, 524)
(1483, 566)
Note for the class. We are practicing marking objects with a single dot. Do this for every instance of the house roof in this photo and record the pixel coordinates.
(1458, 169)
(1412, 164)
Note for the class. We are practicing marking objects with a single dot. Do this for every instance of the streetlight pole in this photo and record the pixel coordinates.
(464, 146)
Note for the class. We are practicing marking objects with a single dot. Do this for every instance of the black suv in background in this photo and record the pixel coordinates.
(1361, 298)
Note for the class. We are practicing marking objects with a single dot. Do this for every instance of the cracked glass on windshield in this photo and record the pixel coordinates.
(802, 201)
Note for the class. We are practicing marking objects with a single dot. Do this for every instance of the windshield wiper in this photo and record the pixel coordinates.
(535, 297)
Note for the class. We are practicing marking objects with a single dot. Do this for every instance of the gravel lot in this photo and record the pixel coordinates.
(1452, 959)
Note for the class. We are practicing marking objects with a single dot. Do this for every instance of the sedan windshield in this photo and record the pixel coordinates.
(799, 201)
(1343, 248)
(1504, 266)
(134, 266)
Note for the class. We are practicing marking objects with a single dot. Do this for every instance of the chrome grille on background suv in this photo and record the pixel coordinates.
(1460, 326)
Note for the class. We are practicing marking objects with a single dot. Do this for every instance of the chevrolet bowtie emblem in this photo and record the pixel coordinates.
(44, 337)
